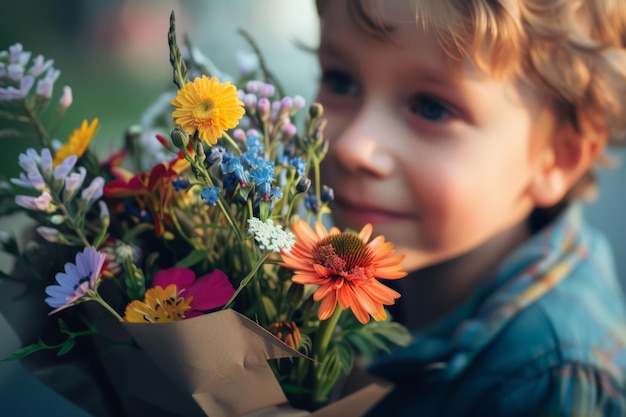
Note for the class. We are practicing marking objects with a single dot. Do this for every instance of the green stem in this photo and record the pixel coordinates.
(43, 135)
(104, 304)
(324, 333)
(244, 282)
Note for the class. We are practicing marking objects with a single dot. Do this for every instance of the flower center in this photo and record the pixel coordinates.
(80, 282)
(204, 110)
(344, 253)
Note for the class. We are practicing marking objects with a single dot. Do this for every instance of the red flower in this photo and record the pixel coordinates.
(209, 292)
(152, 190)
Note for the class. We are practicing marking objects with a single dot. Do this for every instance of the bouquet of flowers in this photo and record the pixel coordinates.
(183, 268)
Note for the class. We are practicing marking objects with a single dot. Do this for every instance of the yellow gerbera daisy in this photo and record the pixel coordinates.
(78, 142)
(346, 267)
(160, 305)
(207, 106)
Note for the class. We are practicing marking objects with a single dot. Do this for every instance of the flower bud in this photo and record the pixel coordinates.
(295, 294)
(264, 108)
(180, 137)
(66, 98)
(287, 331)
(316, 110)
(303, 185)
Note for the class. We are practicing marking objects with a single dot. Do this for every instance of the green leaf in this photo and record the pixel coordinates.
(63, 326)
(294, 389)
(25, 351)
(135, 281)
(193, 258)
(67, 346)
(264, 210)
(270, 308)
(345, 356)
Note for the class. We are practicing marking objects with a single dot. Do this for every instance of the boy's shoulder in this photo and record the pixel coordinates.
(582, 319)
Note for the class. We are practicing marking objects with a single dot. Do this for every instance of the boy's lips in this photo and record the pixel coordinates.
(363, 213)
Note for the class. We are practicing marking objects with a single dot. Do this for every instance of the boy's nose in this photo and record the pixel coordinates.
(363, 144)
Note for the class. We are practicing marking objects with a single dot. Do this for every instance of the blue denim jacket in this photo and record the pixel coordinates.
(545, 337)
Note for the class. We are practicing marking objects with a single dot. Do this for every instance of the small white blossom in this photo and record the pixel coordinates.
(270, 236)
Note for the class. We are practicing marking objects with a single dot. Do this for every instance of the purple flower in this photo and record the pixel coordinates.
(45, 85)
(40, 66)
(78, 279)
(17, 54)
(94, 190)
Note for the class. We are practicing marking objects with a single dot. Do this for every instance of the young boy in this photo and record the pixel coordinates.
(465, 131)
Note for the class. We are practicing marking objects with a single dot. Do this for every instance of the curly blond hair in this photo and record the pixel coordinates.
(573, 50)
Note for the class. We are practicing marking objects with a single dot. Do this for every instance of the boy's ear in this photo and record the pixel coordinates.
(561, 164)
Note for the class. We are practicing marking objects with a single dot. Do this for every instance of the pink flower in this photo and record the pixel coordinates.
(209, 292)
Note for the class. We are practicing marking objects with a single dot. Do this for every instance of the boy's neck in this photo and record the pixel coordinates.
(430, 293)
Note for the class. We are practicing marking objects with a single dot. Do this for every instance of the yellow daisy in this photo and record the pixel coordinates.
(207, 106)
(78, 142)
(159, 305)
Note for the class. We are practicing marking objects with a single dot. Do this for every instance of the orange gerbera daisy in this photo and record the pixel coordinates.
(77, 143)
(346, 267)
(207, 106)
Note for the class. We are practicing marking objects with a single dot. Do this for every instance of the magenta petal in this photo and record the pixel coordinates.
(211, 291)
(183, 278)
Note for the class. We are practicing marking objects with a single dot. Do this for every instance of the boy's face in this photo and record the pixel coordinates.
(439, 160)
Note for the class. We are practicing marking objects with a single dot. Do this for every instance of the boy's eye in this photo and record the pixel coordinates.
(339, 83)
(428, 108)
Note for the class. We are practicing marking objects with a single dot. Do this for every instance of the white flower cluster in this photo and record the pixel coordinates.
(270, 236)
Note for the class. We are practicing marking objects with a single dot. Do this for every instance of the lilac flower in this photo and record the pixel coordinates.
(77, 281)
(66, 99)
(94, 190)
(104, 211)
(41, 203)
(17, 54)
(30, 180)
(44, 202)
(266, 90)
(64, 168)
(264, 108)
(48, 233)
(249, 101)
(40, 66)
(73, 182)
(298, 103)
(12, 93)
(15, 72)
(210, 195)
(289, 130)
(252, 86)
(31, 161)
(45, 85)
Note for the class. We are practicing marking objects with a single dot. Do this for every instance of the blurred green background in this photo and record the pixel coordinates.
(114, 56)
